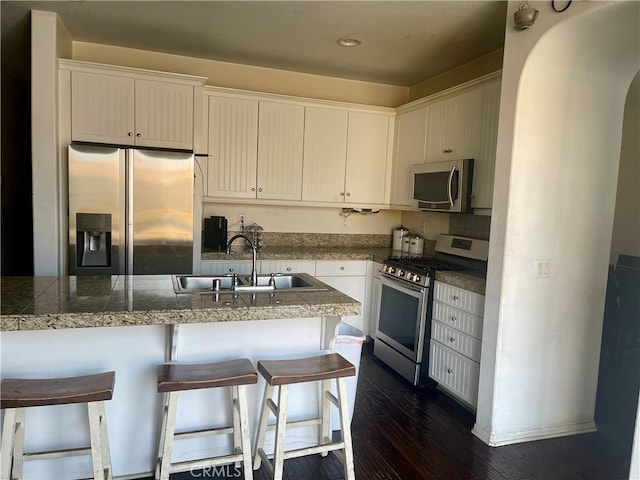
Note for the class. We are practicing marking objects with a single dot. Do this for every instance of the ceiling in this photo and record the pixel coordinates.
(403, 42)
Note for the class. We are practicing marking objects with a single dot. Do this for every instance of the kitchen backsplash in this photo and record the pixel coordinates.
(278, 239)
(473, 226)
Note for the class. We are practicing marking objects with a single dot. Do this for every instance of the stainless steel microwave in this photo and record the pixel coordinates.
(443, 186)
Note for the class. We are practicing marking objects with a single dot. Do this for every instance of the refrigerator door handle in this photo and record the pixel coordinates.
(129, 213)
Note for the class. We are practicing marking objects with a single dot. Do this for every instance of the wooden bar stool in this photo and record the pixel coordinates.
(173, 378)
(18, 394)
(281, 373)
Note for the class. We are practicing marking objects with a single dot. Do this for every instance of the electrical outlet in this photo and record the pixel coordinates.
(241, 220)
(542, 268)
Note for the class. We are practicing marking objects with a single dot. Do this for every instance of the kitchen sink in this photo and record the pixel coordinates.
(242, 283)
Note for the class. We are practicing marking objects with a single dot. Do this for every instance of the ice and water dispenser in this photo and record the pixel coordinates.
(93, 240)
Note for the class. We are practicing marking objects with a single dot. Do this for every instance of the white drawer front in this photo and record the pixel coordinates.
(458, 319)
(220, 268)
(456, 340)
(459, 298)
(295, 266)
(330, 268)
(454, 372)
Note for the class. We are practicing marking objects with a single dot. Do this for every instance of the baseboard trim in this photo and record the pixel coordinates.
(497, 440)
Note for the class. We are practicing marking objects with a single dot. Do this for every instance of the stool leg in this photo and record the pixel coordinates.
(325, 405)
(8, 440)
(262, 426)
(166, 436)
(18, 444)
(235, 410)
(345, 426)
(281, 425)
(100, 456)
(243, 418)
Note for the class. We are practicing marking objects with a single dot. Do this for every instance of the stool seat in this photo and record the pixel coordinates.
(278, 375)
(176, 377)
(323, 367)
(19, 392)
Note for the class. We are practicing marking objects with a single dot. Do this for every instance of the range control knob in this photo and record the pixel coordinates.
(416, 278)
(401, 273)
(391, 269)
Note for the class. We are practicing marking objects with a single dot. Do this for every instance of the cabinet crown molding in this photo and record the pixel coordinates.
(422, 102)
(140, 73)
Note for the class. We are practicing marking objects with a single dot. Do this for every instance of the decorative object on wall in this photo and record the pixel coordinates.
(525, 16)
(559, 10)
(254, 231)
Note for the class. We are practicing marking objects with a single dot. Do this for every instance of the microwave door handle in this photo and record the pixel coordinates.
(453, 170)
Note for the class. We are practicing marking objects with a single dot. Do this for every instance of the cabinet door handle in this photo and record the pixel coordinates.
(138, 135)
(455, 297)
(253, 189)
(447, 150)
(449, 370)
(288, 269)
(452, 339)
(130, 134)
(342, 194)
(348, 194)
(453, 319)
(341, 268)
(259, 189)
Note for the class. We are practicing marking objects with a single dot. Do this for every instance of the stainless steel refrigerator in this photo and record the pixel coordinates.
(130, 211)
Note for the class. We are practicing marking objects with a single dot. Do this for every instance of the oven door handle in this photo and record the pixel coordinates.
(397, 285)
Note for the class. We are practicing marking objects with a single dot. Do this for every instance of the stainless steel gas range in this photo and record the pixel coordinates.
(404, 313)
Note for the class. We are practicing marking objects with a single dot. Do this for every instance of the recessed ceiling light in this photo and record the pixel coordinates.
(349, 42)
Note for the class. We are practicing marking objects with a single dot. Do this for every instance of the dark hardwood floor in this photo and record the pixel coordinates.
(400, 432)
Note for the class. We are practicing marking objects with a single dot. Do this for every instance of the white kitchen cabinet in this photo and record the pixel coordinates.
(456, 341)
(485, 155)
(349, 277)
(216, 267)
(280, 141)
(345, 156)
(325, 154)
(453, 127)
(288, 266)
(366, 169)
(233, 147)
(125, 110)
(409, 149)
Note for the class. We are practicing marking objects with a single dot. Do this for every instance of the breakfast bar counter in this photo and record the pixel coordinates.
(64, 326)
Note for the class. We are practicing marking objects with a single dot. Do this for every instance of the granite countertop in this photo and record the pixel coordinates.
(474, 282)
(44, 303)
(302, 253)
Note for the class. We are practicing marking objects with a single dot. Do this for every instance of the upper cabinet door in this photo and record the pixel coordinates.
(233, 147)
(280, 145)
(122, 110)
(453, 127)
(366, 171)
(409, 149)
(485, 159)
(102, 108)
(164, 115)
(325, 154)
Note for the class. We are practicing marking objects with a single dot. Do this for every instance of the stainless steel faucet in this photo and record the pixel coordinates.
(254, 273)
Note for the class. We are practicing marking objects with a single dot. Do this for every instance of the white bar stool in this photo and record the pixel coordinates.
(281, 373)
(173, 378)
(16, 395)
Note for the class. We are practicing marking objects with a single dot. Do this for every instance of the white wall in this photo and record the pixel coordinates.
(305, 219)
(626, 224)
(564, 86)
(49, 40)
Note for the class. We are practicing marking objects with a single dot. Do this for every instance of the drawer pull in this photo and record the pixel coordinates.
(455, 297)
(288, 269)
(341, 268)
(452, 339)
(449, 370)
(453, 319)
